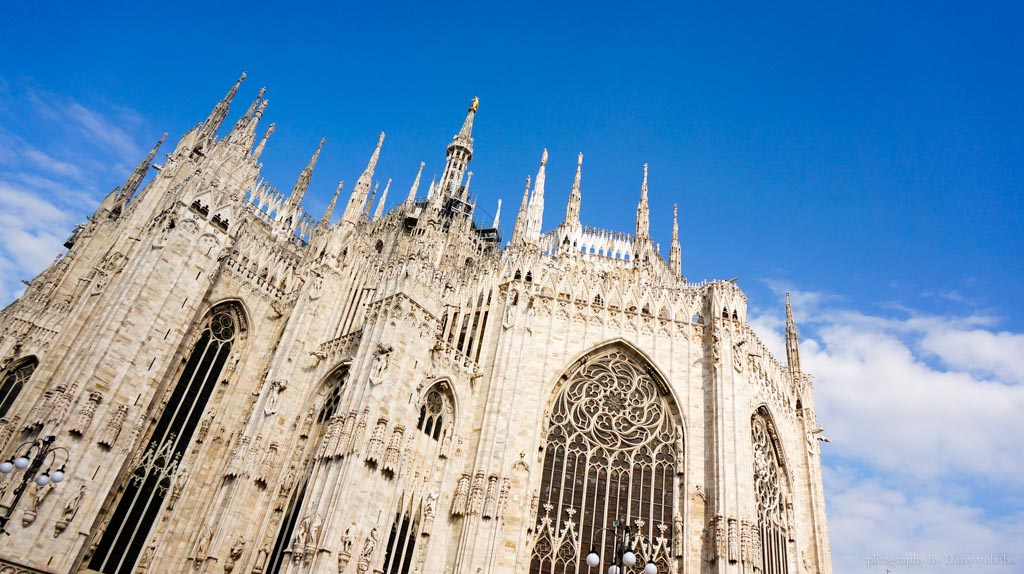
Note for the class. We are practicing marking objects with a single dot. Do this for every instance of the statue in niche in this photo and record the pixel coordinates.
(368, 547)
(348, 539)
(69, 511)
(177, 487)
(147, 558)
(235, 554)
(203, 544)
(380, 364)
(429, 510)
(276, 388)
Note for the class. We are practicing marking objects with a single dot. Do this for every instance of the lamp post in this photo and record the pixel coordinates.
(31, 460)
(623, 554)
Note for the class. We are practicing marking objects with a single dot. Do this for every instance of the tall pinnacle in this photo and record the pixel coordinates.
(263, 142)
(572, 210)
(792, 341)
(138, 174)
(675, 254)
(519, 231)
(326, 219)
(415, 185)
(373, 196)
(497, 215)
(360, 193)
(244, 121)
(302, 184)
(383, 200)
(643, 214)
(220, 111)
(459, 153)
(536, 208)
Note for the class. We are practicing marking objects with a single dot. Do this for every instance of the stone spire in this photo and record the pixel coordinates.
(326, 219)
(415, 185)
(536, 209)
(263, 142)
(459, 153)
(519, 231)
(219, 112)
(373, 196)
(302, 184)
(497, 215)
(433, 184)
(643, 213)
(675, 254)
(243, 122)
(465, 188)
(361, 191)
(792, 342)
(572, 210)
(383, 200)
(138, 174)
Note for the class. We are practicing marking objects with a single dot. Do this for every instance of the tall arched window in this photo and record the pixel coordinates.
(770, 491)
(322, 444)
(13, 381)
(612, 449)
(143, 493)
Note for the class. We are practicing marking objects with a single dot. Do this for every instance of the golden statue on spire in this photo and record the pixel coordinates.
(475, 104)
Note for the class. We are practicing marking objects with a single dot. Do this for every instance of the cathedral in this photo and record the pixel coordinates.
(223, 382)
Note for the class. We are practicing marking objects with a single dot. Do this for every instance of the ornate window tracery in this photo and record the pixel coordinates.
(146, 486)
(612, 448)
(435, 411)
(14, 381)
(771, 494)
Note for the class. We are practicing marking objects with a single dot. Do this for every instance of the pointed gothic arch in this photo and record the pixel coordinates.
(326, 431)
(771, 496)
(13, 381)
(613, 442)
(141, 495)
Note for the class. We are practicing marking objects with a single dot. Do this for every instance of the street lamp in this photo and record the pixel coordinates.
(623, 554)
(33, 458)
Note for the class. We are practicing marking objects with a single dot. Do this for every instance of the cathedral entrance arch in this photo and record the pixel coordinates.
(613, 445)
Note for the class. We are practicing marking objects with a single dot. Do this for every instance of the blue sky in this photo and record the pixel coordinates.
(866, 156)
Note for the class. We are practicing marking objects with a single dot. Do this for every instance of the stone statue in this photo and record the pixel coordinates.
(348, 539)
(276, 388)
(367, 554)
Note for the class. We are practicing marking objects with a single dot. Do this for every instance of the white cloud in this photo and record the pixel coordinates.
(925, 413)
(54, 152)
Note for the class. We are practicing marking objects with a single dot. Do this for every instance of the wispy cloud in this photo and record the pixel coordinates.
(54, 151)
(925, 413)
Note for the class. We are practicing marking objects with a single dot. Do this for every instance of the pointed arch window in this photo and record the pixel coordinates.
(131, 520)
(612, 449)
(435, 412)
(14, 381)
(325, 438)
(771, 493)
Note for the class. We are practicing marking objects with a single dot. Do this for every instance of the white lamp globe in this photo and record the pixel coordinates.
(6, 467)
(613, 569)
(629, 559)
(43, 479)
(57, 476)
(593, 559)
(21, 463)
(650, 568)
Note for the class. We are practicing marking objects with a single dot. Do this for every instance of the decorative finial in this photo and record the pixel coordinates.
(475, 105)
(544, 157)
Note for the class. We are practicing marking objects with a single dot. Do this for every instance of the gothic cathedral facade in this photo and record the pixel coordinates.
(242, 387)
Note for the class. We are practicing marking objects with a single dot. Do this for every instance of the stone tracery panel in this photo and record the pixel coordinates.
(611, 454)
(771, 494)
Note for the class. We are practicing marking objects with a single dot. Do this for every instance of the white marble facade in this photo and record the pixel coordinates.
(243, 387)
